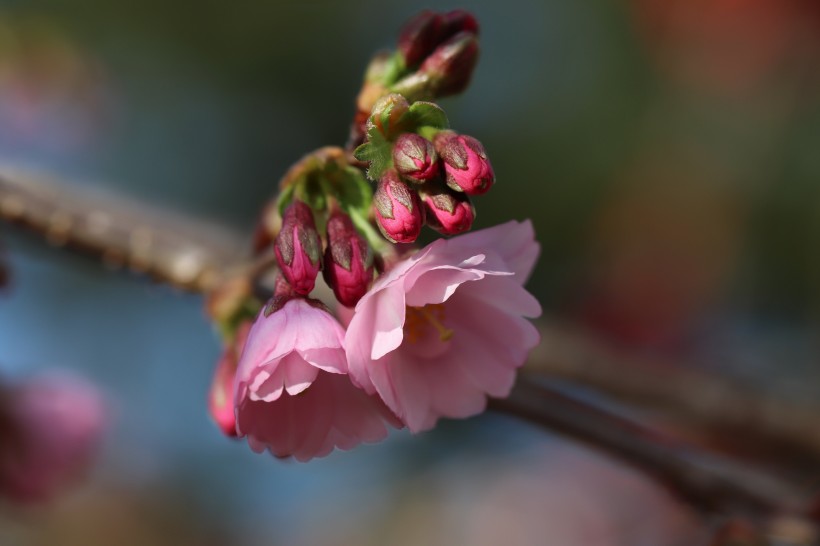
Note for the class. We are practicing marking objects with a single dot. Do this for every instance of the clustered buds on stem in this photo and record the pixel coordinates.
(398, 209)
(348, 260)
(298, 249)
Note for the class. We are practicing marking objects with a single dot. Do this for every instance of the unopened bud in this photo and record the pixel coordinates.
(465, 163)
(459, 20)
(415, 158)
(451, 65)
(386, 114)
(420, 36)
(348, 260)
(220, 397)
(398, 209)
(447, 211)
(298, 248)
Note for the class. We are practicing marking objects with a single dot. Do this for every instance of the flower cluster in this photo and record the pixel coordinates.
(417, 334)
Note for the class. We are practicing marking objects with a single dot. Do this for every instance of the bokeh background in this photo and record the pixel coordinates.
(668, 152)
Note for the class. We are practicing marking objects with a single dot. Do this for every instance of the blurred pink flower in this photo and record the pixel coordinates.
(221, 395)
(52, 430)
(443, 329)
(292, 393)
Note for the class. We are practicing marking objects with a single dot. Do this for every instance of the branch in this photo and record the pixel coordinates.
(186, 253)
(708, 483)
(682, 391)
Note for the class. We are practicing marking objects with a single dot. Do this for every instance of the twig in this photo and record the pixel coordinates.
(708, 483)
(187, 253)
(683, 391)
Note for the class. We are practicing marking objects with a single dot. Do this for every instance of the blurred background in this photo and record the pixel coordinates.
(668, 152)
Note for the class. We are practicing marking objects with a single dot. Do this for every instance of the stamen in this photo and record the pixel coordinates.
(418, 318)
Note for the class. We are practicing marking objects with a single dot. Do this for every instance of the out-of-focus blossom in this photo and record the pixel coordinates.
(293, 396)
(52, 427)
(445, 328)
(221, 395)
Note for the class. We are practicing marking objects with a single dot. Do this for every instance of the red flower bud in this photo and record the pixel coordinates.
(459, 20)
(447, 211)
(451, 65)
(465, 163)
(398, 209)
(420, 36)
(415, 158)
(298, 249)
(348, 260)
(220, 397)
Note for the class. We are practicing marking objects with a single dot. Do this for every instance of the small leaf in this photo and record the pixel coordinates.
(378, 152)
(426, 114)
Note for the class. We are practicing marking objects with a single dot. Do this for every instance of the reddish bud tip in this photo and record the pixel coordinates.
(348, 260)
(459, 20)
(451, 65)
(420, 36)
(465, 163)
(415, 158)
(447, 211)
(398, 209)
(298, 248)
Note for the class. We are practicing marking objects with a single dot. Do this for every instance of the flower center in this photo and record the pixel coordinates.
(419, 320)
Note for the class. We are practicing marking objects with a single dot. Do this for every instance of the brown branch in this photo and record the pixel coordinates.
(186, 253)
(682, 391)
(709, 483)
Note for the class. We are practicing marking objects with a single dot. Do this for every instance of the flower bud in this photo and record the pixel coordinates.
(386, 114)
(451, 65)
(420, 36)
(447, 211)
(415, 158)
(348, 260)
(457, 21)
(465, 163)
(298, 249)
(398, 209)
(220, 397)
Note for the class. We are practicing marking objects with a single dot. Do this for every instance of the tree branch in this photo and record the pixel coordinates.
(709, 483)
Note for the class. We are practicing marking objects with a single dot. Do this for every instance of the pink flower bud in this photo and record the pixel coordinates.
(298, 249)
(348, 260)
(398, 209)
(220, 397)
(448, 212)
(465, 163)
(451, 65)
(415, 158)
(420, 36)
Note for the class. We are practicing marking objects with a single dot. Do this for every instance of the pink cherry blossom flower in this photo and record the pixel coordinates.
(51, 429)
(292, 393)
(444, 329)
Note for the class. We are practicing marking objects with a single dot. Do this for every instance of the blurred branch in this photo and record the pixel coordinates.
(682, 391)
(122, 233)
(709, 483)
